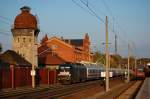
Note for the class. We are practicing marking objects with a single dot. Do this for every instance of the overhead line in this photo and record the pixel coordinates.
(5, 33)
(107, 7)
(109, 10)
(96, 15)
(5, 18)
(82, 7)
(110, 28)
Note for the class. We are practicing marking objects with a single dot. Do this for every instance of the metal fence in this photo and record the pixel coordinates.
(12, 77)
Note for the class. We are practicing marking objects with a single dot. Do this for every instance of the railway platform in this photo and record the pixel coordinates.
(122, 91)
(144, 92)
(130, 93)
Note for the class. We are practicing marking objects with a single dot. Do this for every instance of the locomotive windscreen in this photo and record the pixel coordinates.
(64, 68)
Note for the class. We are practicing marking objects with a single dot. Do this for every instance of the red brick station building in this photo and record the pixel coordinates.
(45, 56)
(54, 50)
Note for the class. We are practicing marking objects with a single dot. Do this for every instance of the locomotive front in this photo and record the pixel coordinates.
(64, 73)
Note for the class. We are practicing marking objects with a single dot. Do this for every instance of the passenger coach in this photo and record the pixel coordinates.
(85, 71)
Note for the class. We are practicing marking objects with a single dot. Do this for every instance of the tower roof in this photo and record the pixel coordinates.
(25, 20)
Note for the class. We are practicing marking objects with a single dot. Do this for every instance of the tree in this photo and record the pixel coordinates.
(115, 60)
(99, 58)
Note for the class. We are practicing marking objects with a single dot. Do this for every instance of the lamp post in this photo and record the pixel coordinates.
(34, 63)
(107, 58)
(128, 77)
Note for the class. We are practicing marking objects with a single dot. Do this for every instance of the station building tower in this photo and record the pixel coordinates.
(25, 32)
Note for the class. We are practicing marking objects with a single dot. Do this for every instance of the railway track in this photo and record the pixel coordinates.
(49, 92)
(23, 91)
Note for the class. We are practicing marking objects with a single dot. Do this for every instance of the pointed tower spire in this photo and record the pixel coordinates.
(44, 39)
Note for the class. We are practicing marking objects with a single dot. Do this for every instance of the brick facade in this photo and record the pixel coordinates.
(69, 50)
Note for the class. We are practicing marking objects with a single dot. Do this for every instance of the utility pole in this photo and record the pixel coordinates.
(107, 57)
(115, 37)
(115, 44)
(135, 66)
(33, 73)
(109, 61)
(128, 77)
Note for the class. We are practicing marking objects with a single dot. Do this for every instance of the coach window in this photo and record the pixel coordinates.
(90, 71)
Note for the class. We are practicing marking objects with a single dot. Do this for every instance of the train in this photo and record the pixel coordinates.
(139, 72)
(69, 73)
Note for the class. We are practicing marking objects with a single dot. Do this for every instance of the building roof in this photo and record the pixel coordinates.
(12, 58)
(56, 39)
(49, 58)
(25, 20)
(74, 42)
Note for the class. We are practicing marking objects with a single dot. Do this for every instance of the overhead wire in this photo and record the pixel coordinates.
(111, 14)
(92, 11)
(5, 20)
(88, 5)
(81, 7)
(5, 33)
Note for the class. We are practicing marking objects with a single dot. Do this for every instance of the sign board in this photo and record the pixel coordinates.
(110, 74)
(103, 74)
(33, 73)
(125, 72)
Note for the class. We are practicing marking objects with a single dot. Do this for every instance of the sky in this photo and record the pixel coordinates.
(130, 20)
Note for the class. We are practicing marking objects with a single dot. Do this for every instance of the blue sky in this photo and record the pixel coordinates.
(65, 18)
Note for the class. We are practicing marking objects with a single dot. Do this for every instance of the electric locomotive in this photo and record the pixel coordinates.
(139, 72)
(71, 73)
